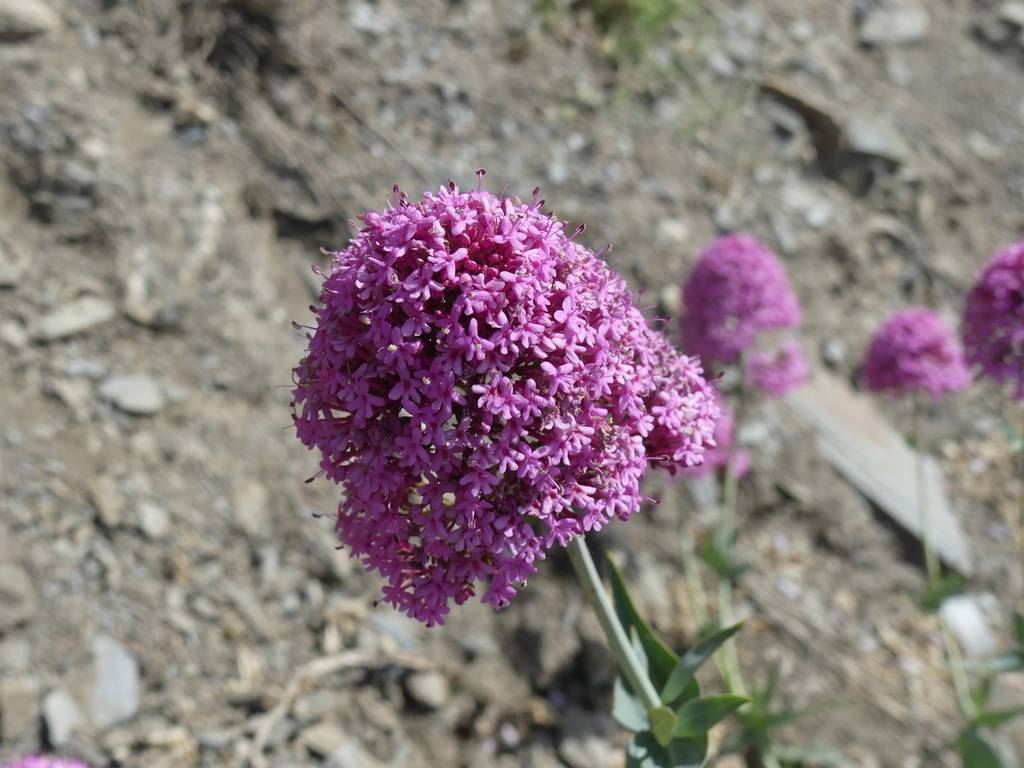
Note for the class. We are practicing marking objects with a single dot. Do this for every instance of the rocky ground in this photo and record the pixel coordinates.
(168, 170)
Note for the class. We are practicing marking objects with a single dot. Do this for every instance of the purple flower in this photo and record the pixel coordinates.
(737, 290)
(482, 388)
(912, 351)
(725, 453)
(777, 371)
(993, 322)
(45, 761)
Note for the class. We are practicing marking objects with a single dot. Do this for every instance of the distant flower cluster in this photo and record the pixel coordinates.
(45, 761)
(993, 320)
(483, 388)
(737, 296)
(736, 291)
(914, 350)
(778, 371)
(725, 454)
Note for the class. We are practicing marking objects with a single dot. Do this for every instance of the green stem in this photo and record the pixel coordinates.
(956, 669)
(1020, 493)
(694, 589)
(931, 561)
(629, 664)
(727, 535)
(726, 532)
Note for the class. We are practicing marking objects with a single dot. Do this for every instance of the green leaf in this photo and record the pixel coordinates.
(1013, 438)
(661, 659)
(663, 723)
(644, 751)
(996, 718)
(1018, 627)
(627, 708)
(1011, 661)
(980, 695)
(700, 715)
(679, 682)
(720, 556)
(814, 754)
(944, 588)
(976, 752)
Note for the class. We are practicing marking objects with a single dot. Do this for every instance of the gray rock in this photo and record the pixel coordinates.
(106, 498)
(153, 520)
(324, 738)
(115, 691)
(78, 316)
(249, 502)
(965, 617)
(17, 598)
(895, 25)
(137, 394)
(834, 351)
(1012, 12)
(317, 705)
(15, 655)
(13, 334)
(10, 267)
(585, 751)
(427, 689)
(352, 754)
(19, 708)
(61, 715)
(876, 138)
(860, 442)
(22, 19)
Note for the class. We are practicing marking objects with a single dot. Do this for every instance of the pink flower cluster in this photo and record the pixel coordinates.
(912, 351)
(483, 388)
(777, 371)
(725, 453)
(736, 291)
(993, 320)
(45, 761)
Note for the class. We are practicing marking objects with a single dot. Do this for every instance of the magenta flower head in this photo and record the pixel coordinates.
(737, 290)
(777, 371)
(725, 453)
(45, 761)
(915, 351)
(483, 388)
(993, 321)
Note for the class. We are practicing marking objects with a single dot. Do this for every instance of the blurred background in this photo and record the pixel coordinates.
(169, 170)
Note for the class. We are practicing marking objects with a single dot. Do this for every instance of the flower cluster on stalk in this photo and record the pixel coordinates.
(483, 388)
(737, 291)
(915, 351)
(993, 319)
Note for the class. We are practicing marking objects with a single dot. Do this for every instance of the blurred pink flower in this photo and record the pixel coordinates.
(777, 371)
(483, 388)
(737, 290)
(45, 761)
(914, 350)
(725, 453)
(993, 321)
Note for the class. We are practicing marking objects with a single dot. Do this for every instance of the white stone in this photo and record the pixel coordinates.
(115, 692)
(80, 315)
(860, 442)
(154, 520)
(61, 715)
(137, 394)
(894, 26)
(22, 19)
(964, 616)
